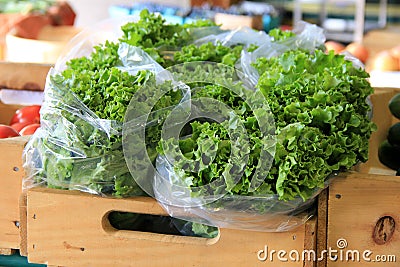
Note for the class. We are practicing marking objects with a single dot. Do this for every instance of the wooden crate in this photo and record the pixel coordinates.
(11, 184)
(363, 207)
(363, 215)
(69, 228)
(16, 76)
(11, 188)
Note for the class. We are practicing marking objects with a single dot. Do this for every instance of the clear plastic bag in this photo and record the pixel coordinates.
(307, 36)
(245, 36)
(255, 213)
(75, 149)
(211, 204)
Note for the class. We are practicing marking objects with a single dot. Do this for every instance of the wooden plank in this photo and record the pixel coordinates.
(11, 188)
(7, 251)
(69, 229)
(16, 76)
(358, 204)
(322, 226)
(23, 249)
(6, 112)
(29, 76)
(310, 241)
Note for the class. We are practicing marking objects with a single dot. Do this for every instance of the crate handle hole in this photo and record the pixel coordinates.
(158, 224)
(384, 230)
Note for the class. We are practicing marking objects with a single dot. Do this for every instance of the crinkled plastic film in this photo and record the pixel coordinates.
(258, 213)
(254, 213)
(308, 37)
(245, 36)
(65, 152)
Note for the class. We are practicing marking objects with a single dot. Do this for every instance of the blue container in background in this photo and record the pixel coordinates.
(177, 15)
(116, 11)
(16, 260)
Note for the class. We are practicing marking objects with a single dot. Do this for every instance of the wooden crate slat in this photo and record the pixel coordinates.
(356, 203)
(16, 76)
(322, 225)
(11, 184)
(69, 229)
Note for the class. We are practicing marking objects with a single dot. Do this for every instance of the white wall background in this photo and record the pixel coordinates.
(91, 11)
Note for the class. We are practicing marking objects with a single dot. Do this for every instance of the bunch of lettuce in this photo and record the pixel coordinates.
(317, 99)
(321, 115)
(319, 105)
(79, 145)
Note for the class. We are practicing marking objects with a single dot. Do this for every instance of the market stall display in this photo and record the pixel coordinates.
(284, 151)
(219, 131)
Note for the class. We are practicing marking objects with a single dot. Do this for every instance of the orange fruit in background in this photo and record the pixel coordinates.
(385, 61)
(335, 46)
(395, 51)
(358, 50)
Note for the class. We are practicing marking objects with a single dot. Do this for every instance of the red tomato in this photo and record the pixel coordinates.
(7, 131)
(30, 129)
(19, 125)
(28, 114)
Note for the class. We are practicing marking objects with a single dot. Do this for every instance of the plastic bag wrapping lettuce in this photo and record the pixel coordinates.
(78, 145)
(252, 155)
(74, 147)
(161, 110)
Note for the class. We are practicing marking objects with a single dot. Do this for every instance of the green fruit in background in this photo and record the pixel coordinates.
(394, 106)
(389, 155)
(394, 135)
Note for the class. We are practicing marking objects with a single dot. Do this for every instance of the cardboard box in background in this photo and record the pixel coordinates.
(27, 76)
(231, 22)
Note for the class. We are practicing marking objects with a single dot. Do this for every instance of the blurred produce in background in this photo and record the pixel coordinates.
(27, 19)
(258, 15)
